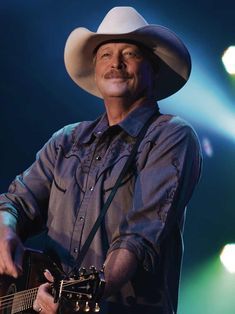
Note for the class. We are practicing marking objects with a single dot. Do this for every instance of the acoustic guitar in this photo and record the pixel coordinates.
(80, 293)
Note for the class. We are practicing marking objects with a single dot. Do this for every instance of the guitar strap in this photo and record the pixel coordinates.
(104, 209)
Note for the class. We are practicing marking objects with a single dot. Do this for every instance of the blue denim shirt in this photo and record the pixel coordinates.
(72, 176)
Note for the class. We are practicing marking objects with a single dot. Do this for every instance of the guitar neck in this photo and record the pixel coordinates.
(19, 301)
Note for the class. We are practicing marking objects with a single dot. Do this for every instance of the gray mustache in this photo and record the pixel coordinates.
(116, 74)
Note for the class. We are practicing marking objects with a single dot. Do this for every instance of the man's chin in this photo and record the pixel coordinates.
(118, 89)
(117, 95)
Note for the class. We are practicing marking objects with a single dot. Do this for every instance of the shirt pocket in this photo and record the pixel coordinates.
(113, 169)
(68, 164)
(111, 173)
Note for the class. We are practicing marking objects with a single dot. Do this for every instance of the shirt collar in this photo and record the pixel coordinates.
(132, 124)
(94, 128)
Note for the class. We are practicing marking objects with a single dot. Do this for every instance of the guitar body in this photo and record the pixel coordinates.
(79, 293)
(34, 264)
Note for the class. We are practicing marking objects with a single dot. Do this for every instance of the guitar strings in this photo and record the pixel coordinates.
(66, 284)
(18, 297)
(19, 305)
(19, 300)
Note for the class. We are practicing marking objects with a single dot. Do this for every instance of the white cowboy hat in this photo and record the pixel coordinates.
(126, 23)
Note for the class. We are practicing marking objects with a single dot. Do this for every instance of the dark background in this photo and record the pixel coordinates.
(37, 97)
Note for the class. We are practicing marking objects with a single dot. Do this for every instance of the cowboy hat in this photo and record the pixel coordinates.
(126, 23)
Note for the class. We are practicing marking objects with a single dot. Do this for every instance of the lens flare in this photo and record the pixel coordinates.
(228, 59)
(227, 257)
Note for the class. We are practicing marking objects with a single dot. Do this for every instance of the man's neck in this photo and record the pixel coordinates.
(119, 108)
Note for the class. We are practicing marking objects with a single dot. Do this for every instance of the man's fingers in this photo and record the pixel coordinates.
(44, 301)
(7, 265)
(48, 275)
(37, 307)
(12, 250)
(18, 258)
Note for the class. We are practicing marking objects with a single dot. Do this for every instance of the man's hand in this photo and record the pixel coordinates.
(11, 247)
(120, 266)
(44, 301)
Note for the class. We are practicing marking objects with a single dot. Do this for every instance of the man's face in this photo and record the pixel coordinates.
(121, 70)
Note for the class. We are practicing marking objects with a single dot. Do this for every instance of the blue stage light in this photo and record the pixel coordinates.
(204, 102)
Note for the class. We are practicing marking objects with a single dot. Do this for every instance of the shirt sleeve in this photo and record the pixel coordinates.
(162, 190)
(28, 195)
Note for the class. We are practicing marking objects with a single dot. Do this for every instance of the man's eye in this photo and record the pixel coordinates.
(131, 54)
(105, 55)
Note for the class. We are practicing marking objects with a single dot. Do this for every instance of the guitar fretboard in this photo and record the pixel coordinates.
(19, 301)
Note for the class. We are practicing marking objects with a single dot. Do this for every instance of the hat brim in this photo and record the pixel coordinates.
(173, 57)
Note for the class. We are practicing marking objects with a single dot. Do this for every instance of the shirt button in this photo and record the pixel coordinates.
(91, 188)
(75, 250)
(98, 157)
(81, 218)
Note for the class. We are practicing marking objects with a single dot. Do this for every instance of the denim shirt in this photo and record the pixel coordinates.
(71, 178)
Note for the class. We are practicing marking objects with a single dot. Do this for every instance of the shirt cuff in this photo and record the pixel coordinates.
(17, 215)
(144, 252)
(11, 210)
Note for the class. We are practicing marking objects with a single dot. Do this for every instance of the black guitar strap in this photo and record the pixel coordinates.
(104, 209)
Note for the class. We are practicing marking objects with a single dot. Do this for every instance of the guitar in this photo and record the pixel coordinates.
(80, 293)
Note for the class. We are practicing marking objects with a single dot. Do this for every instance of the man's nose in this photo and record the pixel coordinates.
(117, 61)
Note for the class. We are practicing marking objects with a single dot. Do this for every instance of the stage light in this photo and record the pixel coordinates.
(207, 288)
(204, 102)
(207, 147)
(228, 59)
(227, 257)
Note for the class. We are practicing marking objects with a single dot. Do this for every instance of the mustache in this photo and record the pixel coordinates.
(117, 74)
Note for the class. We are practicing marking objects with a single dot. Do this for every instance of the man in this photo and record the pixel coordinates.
(130, 64)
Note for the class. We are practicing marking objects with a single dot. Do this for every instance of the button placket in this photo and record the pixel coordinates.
(92, 167)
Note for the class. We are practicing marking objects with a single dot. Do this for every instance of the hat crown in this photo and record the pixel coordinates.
(121, 20)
